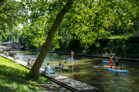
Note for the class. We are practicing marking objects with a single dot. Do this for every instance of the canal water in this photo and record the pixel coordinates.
(93, 72)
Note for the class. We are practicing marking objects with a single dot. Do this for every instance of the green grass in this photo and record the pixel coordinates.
(13, 78)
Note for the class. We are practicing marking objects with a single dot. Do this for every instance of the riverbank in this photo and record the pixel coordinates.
(12, 78)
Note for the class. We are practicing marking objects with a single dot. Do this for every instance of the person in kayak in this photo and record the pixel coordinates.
(60, 65)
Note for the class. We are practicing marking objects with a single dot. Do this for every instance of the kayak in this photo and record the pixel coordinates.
(49, 73)
(107, 62)
(62, 68)
(121, 71)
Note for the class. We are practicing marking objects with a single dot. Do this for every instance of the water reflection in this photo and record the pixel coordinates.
(92, 71)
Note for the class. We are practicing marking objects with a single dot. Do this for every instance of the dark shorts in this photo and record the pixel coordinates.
(117, 64)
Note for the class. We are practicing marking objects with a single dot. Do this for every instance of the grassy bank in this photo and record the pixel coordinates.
(12, 78)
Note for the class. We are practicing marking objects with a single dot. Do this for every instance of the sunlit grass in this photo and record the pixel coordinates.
(13, 78)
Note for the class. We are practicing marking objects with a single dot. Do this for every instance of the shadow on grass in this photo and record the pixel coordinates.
(12, 74)
(12, 79)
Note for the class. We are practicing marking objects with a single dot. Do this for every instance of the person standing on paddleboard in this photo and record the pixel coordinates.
(72, 55)
(111, 61)
(117, 63)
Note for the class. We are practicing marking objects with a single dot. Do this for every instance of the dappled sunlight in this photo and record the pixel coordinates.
(15, 77)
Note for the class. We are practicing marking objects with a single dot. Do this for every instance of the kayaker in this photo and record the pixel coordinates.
(60, 65)
(65, 63)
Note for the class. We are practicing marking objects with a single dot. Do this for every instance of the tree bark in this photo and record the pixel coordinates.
(34, 72)
(2, 1)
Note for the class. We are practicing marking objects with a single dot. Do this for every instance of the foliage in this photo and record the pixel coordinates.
(90, 21)
(8, 17)
(126, 47)
(123, 47)
(12, 78)
(16, 32)
(32, 37)
(86, 22)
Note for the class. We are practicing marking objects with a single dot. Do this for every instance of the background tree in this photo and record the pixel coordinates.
(8, 17)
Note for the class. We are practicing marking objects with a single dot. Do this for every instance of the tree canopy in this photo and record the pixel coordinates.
(87, 21)
(9, 12)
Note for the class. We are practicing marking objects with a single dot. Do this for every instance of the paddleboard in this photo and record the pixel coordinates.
(107, 66)
(121, 71)
(107, 62)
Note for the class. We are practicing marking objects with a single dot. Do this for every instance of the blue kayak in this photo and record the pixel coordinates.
(121, 71)
(105, 61)
(49, 73)
(53, 72)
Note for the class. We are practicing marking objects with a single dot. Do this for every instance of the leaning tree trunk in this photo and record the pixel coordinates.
(34, 72)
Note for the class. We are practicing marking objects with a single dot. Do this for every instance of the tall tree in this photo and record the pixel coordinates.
(36, 67)
(8, 17)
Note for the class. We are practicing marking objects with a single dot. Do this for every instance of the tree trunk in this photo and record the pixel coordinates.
(34, 72)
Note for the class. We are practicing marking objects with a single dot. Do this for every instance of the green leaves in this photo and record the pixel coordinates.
(87, 21)
(8, 17)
